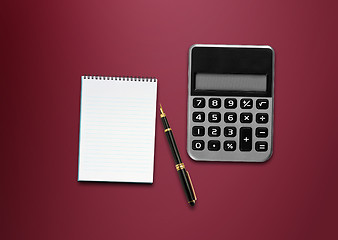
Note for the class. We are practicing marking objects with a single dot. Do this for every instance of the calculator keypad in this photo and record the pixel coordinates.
(230, 128)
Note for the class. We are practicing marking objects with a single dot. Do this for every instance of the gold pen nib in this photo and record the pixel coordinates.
(161, 109)
(162, 113)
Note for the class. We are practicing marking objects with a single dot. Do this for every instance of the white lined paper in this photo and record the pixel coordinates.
(117, 130)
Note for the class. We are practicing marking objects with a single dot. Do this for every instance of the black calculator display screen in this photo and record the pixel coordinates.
(231, 71)
(231, 82)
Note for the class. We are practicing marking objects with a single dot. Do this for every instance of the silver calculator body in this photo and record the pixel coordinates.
(230, 103)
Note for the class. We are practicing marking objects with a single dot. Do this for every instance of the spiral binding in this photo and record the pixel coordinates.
(121, 78)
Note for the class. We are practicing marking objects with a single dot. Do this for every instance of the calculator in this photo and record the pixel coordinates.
(230, 103)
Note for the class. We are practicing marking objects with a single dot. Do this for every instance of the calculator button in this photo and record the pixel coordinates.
(214, 145)
(198, 131)
(246, 117)
(261, 146)
(262, 117)
(230, 131)
(214, 117)
(214, 131)
(230, 117)
(230, 103)
(262, 103)
(230, 145)
(245, 138)
(198, 145)
(214, 102)
(198, 116)
(246, 103)
(261, 132)
(198, 102)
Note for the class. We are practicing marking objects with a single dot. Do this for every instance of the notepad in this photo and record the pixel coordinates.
(117, 129)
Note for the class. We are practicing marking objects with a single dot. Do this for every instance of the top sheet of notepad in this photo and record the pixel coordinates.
(117, 129)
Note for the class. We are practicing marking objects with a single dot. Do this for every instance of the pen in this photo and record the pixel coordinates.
(182, 173)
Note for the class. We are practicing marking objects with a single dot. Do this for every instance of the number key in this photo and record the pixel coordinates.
(214, 102)
(198, 131)
(230, 131)
(230, 117)
(198, 102)
(198, 116)
(214, 131)
(230, 103)
(198, 145)
(214, 117)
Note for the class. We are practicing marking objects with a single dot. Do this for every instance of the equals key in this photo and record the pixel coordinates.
(261, 146)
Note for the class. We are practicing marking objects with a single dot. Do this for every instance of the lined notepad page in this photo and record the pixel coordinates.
(117, 129)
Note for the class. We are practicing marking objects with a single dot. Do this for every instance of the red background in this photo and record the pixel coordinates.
(47, 45)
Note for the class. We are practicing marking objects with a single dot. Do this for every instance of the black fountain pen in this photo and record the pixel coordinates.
(182, 173)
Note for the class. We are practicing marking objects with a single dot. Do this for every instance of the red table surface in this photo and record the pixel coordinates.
(47, 45)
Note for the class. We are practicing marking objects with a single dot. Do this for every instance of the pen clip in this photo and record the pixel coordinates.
(192, 187)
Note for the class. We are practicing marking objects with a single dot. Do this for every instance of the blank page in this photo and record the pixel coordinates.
(117, 129)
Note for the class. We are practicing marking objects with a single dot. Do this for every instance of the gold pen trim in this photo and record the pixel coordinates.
(192, 186)
(180, 166)
(168, 129)
(162, 113)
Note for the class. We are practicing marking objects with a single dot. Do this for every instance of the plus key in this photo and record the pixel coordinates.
(245, 138)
